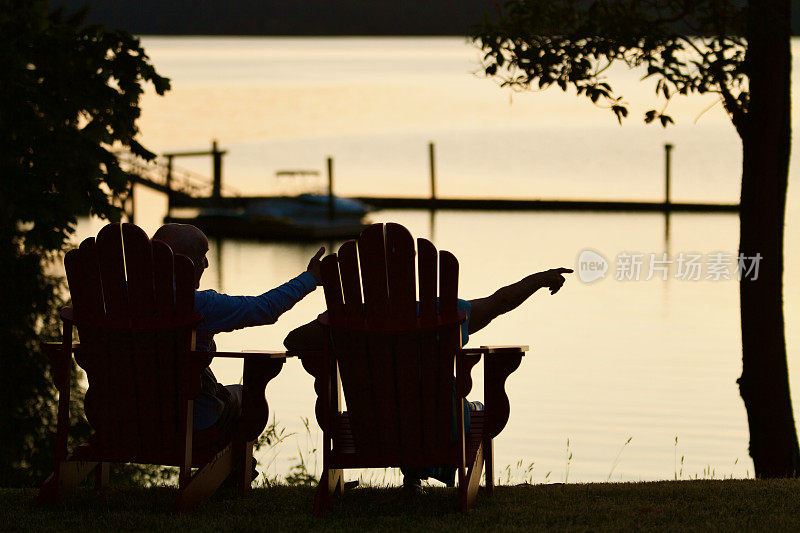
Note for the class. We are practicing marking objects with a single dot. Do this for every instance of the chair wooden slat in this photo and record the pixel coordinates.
(148, 356)
(103, 260)
(351, 279)
(133, 380)
(112, 270)
(95, 362)
(429, 380)
(448, 283)
(165, 395)
(402, 295)
(427, 265)
(372, 258)
(91, 274)
(169, 372)
(164, 279)
(428, 269)
(184, 285)
(400, 271)
(386, 406)
(184, 304)
(332, 286)
(355, 377)
(83, 276)
(380, 378)
(139, 270)
(449, 338)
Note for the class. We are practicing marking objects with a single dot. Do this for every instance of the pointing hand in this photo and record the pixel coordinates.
(314, 266)
(553, 279)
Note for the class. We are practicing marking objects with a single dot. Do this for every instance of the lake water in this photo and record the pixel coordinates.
(626, 380)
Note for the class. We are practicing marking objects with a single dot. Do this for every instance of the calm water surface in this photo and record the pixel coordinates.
(648, 363)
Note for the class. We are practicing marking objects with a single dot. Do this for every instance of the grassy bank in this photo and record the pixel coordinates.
(667, 505)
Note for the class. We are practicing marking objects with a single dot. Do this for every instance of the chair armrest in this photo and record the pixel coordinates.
(497, 368)
(306, 354)
(260, 366)
(252, 354)
(469, 357)
(498, 349)
(314, 363)
(62, 362)
(50, 345)
(259, 369)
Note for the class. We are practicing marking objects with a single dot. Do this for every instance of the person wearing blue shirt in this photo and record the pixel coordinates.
(221, 312)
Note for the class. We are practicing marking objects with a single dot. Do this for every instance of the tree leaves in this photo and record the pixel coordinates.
(540, 43)
(69, 94)
(620, 111)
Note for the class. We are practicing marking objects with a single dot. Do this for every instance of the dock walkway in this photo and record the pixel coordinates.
(185, 189)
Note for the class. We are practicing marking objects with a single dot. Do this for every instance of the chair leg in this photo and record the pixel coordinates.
(101, 472)
(202, 485)
(488, 462)
(66, 476)
(469, 490)
(244, 466)
(462, 489)
(322, 496)
(331, 482)
(337, 476)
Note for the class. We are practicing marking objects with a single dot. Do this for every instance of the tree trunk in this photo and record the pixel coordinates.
(765, 132)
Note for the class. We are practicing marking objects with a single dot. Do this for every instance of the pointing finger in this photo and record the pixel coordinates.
(318, 254)
(563, 270)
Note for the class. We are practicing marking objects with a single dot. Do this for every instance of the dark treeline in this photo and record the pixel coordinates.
(287, 17)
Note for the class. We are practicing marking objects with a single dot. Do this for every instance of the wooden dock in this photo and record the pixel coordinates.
(483, 204)
(498, 204)
(186, 190)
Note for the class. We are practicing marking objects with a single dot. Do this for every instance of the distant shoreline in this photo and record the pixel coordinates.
(298, 18)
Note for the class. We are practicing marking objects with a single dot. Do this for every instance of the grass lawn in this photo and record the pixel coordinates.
(665, 505)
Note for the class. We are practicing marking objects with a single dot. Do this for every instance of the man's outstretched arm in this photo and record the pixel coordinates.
(222, 312)
(507, 298)
(311, 336)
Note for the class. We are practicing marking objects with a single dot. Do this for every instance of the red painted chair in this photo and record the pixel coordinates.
(394, 353)
(133, 307)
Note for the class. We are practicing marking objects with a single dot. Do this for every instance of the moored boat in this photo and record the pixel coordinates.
(297, 218)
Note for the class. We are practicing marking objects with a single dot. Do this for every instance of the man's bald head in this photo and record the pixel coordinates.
(187, 240)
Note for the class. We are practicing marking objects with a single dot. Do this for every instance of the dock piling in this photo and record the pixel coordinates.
(432, 160)
(217, 156)
(132, 214)
(331, 208)
(168, 183)
(667, 172)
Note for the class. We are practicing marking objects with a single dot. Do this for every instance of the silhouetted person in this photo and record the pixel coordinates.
(480, 312)
(221, 312)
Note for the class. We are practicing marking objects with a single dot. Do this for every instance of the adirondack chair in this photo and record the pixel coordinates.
(394, 357)
(133, 307)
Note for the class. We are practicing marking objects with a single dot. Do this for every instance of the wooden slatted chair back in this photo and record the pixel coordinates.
(395, 343)
(132, 302)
